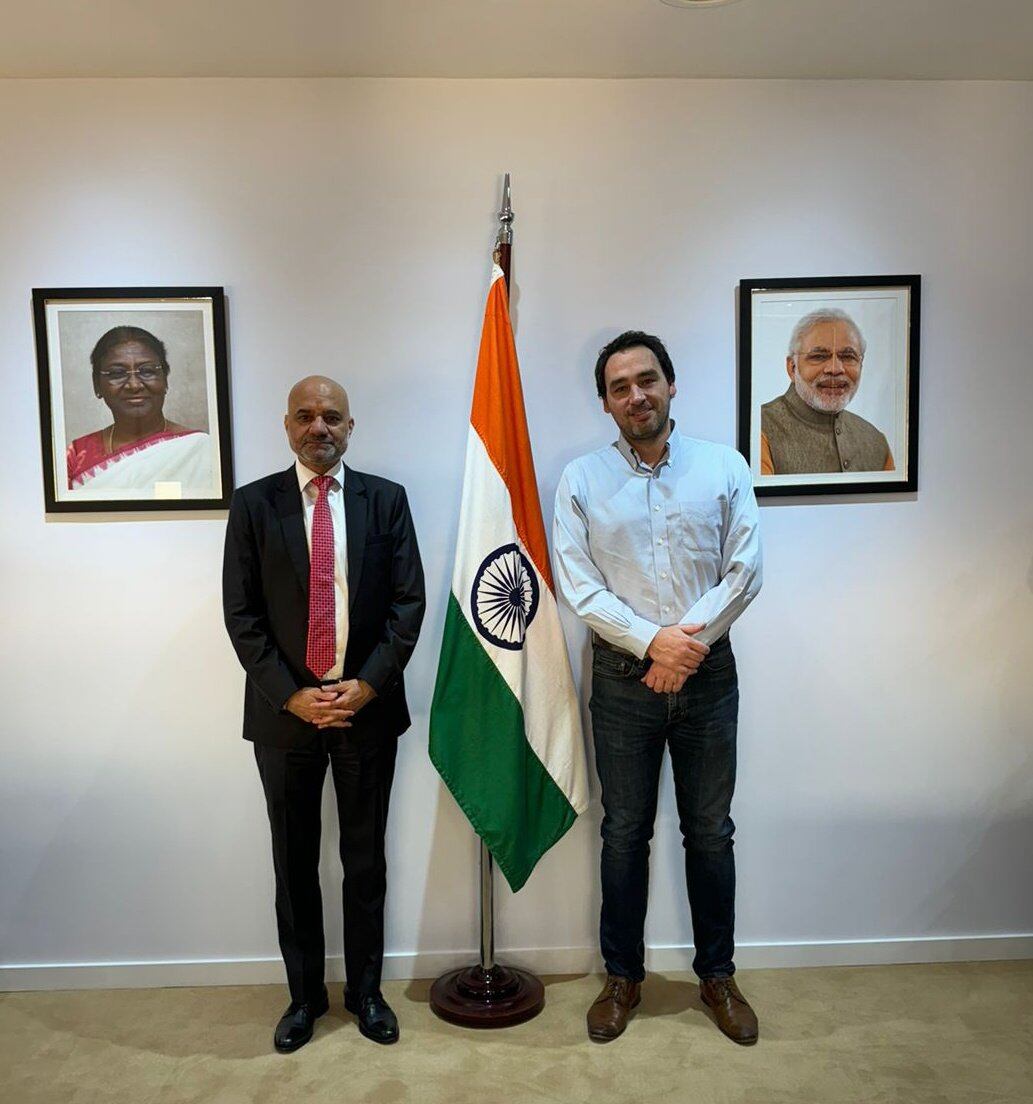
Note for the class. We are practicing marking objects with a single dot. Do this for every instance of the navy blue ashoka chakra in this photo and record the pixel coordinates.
(504, 598)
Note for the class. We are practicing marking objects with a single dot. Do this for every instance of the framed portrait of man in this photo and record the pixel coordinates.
(134, 398)
(828, 384)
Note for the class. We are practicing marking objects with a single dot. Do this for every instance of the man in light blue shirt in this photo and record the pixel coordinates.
(658, 552)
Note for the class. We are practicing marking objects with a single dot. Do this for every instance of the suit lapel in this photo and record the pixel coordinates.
(292, 520)
(355, 505)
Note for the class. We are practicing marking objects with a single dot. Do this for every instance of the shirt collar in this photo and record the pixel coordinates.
(306, 475)
(818, 418)
(672, 450)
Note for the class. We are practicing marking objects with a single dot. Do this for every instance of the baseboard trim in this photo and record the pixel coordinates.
(861, 952)
(552, 960)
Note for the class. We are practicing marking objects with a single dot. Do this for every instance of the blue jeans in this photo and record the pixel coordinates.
(632, 725)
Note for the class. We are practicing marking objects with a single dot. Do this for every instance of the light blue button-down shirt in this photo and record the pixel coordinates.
(639, 548)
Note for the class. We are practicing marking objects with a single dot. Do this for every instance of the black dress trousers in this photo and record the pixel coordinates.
(362, 768)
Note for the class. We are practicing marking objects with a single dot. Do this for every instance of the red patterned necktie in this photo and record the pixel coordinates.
(321, 650)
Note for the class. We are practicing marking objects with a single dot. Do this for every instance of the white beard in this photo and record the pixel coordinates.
(827, 402)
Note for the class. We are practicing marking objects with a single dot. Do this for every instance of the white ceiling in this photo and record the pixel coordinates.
(924, 39)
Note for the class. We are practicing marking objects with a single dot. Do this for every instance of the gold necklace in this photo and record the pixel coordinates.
(111, 433)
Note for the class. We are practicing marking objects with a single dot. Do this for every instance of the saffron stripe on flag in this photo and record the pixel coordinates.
(499, 419)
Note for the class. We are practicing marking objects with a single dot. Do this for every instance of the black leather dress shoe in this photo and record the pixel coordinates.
(376, 1020)
(297, 1023)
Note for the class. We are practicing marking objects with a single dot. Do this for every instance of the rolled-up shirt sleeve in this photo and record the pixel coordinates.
(582, 585)
(741, 568)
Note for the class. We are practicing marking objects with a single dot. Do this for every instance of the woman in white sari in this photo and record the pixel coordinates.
(141, 447)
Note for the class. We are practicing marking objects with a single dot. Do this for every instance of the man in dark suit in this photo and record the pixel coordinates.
(323, 598)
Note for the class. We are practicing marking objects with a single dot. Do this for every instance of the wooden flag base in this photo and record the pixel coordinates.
(497, 997)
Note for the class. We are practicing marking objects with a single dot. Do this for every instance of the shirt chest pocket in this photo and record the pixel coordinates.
(695, 526)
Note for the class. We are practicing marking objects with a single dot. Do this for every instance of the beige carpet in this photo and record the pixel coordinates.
(896, 1034)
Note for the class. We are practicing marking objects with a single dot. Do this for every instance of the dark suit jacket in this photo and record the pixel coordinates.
(265, 602)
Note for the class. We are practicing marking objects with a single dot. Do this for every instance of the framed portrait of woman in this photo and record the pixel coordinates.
(134, 398)
(828, 384)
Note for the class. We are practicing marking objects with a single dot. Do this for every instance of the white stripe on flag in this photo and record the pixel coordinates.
(538, 674)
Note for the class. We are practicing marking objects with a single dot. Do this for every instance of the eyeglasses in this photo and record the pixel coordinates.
(119, 377)
(823, 356)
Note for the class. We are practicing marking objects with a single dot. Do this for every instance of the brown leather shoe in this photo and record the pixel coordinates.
(608, 1016)
(733, 1014)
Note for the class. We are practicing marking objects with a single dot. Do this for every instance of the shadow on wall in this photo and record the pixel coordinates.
(924, 878)
(451, 900)
(450, 896)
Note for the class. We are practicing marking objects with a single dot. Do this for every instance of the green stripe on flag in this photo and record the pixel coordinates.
(478, 745)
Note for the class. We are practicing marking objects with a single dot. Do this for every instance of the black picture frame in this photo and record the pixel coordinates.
(766, 311)
(75, 318)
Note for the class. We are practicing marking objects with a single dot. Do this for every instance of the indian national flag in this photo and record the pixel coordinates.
(505, 731)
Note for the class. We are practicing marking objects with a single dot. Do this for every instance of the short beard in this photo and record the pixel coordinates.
(316, 462)
(825, 402)
(633, 433)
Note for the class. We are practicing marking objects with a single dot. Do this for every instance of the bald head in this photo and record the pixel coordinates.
(317, 385)
(318, 422)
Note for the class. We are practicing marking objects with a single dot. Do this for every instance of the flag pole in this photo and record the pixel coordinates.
(504, 238)
(503, 257)
(490, 995)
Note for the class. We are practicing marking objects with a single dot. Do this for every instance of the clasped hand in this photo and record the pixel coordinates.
(330, 706)
(676, 656)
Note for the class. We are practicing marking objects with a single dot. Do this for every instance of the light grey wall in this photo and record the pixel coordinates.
(885, 786)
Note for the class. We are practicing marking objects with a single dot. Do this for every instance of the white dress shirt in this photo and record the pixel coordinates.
(335, 500)
(639, 548)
